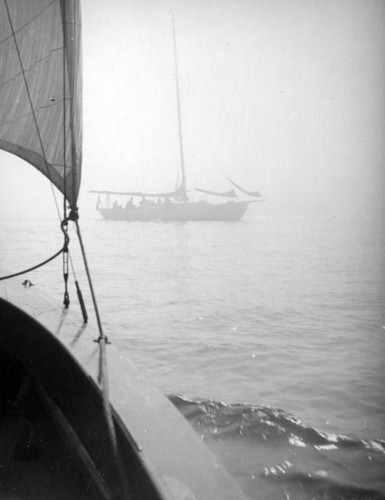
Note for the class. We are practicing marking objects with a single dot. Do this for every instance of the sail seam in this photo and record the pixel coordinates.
(27, 70)
(36, 110)
(28, 22)
(28, 93)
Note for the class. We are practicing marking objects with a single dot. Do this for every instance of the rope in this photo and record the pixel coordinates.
(102, 340)
(34, 267)
(100, 328)
(62, 250)
(64, 228)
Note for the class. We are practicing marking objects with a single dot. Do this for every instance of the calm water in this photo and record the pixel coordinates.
(268, 334)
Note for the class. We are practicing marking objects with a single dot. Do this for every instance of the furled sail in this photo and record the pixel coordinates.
(40, 88)
(178, 193)
(170, 194)
(227, 194)
(256, 194)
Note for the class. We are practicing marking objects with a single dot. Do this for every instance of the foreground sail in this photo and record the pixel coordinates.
(78, 420)
(40, 88)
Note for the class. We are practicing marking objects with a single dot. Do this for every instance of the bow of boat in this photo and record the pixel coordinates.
(51, 367)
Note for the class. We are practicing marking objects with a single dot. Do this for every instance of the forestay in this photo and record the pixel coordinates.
(40, 88)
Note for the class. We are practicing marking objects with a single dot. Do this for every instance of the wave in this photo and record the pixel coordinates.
(219, 419)
(317, 486)
(271, 452)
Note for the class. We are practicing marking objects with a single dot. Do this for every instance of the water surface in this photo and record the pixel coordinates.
(267, 334)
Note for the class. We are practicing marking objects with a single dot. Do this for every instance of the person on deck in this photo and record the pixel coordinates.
(130, 203)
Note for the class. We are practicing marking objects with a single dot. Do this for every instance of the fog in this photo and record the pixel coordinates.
(283, 96)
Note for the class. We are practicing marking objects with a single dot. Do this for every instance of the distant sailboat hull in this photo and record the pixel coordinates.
(187, 211)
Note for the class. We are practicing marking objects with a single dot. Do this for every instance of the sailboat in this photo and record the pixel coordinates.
(77, 419)
(175, 205)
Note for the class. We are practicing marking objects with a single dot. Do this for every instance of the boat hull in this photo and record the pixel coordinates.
(160, 454)
(187, 211)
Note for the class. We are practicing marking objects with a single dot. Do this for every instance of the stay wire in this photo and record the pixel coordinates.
(103, 341)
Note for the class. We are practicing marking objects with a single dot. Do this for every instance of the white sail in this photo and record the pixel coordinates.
(40, 88)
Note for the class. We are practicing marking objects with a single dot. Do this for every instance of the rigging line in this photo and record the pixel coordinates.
(103, 371)
(93, 296)
(64, 115)
(62, 250)
(30, 21)
(34, 267)
(66, 301)
(68, 34)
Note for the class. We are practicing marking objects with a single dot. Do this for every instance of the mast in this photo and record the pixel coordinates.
(181, 151)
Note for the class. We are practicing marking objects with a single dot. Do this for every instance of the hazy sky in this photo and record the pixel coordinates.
(283, 96)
